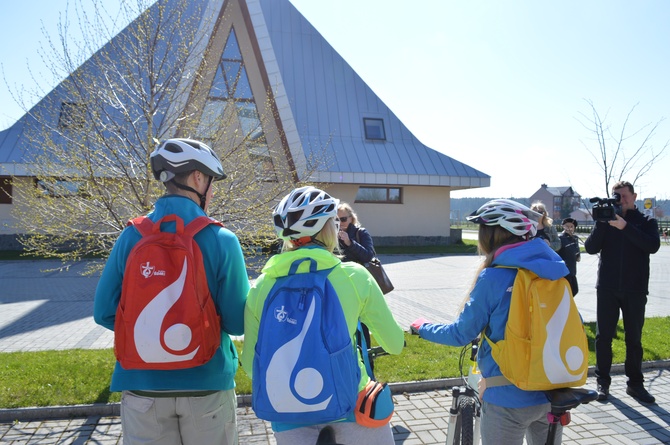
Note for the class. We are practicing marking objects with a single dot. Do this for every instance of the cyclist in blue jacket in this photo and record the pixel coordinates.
(508, 413)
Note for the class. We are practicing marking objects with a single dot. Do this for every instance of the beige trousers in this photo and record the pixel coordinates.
(179, 420)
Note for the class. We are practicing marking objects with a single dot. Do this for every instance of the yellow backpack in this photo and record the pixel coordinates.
(545, 345)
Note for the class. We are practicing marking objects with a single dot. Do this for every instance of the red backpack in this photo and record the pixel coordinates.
(166, 318)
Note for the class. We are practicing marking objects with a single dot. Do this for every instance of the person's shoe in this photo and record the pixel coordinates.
(640, 394)
(603, 392)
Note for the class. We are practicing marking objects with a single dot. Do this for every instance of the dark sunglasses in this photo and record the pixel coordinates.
(343, 219)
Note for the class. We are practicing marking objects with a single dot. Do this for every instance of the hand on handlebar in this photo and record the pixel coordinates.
(416, 325)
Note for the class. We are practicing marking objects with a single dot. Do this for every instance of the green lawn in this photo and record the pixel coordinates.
(79, 376)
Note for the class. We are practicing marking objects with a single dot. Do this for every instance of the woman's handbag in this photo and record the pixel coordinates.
(377, 271)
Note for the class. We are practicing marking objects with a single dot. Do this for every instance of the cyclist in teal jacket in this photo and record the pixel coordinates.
(508, 413)
(194, 405)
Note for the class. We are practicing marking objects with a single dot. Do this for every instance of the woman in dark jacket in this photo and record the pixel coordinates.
(355, 241)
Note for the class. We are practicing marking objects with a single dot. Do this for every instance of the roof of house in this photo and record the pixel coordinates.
(322, 102)
(559, 191)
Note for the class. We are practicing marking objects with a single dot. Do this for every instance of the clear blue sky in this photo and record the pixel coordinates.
(499, 85)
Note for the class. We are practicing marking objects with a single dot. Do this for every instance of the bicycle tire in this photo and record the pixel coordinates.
(457, 430)
(466, 408)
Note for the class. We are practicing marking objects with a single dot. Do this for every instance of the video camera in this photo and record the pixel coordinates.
(606, 209)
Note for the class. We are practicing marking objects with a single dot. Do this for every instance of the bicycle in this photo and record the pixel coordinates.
(466, 408)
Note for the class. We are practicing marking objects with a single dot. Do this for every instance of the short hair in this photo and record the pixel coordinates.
(571, 220)
(180, 178)
(622, 184)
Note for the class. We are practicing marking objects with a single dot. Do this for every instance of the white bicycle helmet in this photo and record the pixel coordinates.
(176, 156)
(303, 212)
(508, 214)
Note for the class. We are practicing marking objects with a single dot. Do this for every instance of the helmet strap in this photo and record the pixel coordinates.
(203, 198)
(318, 243)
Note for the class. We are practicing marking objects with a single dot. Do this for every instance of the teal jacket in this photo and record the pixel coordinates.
(228, 283)
(359, 295)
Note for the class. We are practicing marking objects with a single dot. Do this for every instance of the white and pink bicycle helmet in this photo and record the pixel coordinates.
(510, 215)
(303, 212)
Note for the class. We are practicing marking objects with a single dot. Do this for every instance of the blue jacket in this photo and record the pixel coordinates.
(488, 308)
(228, 282)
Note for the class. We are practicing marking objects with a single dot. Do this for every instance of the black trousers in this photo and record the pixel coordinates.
(632, 307)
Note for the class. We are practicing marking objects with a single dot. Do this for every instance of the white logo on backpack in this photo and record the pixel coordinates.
(147, 270)
(308, 381)
(147, 330)
(282, 316)
(551, 356)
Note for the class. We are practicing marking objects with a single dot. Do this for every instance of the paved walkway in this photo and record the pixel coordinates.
(45, 311)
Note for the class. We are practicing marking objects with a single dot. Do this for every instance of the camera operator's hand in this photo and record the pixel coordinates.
(619, 222)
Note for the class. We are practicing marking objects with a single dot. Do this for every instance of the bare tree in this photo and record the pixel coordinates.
(626, 154)
(150, 82)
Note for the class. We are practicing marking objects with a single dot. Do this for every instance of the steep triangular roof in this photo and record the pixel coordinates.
(329, 101)
(319, 100)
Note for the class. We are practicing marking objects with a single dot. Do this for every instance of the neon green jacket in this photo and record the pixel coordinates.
(359, 295)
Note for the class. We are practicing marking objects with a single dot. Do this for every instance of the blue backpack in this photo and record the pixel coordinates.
(305, 365)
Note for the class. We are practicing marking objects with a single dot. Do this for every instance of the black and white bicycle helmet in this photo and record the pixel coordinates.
(303, 213)
(508, 214)
(175, 156)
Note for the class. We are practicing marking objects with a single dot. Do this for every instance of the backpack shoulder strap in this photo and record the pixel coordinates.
(296, 264)
(145, 226)
(198, 224)
(293, 270)
(142, 224)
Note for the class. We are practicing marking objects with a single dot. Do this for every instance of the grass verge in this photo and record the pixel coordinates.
(78, 376)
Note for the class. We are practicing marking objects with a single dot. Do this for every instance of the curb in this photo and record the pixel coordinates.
(114, 409)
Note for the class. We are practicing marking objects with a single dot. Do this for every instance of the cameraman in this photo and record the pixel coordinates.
(624, 244)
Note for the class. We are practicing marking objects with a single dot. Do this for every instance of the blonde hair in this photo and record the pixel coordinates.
(538, 206)
(491, 238)
(326, 236)
(347, 208)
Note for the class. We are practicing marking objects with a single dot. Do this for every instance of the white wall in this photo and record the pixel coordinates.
(423, 212)
(7, 221)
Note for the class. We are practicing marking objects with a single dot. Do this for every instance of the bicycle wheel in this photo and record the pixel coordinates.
(466, 406)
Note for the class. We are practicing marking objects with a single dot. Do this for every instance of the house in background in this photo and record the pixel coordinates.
(559, 201)
(581, 215)
(322, 108)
